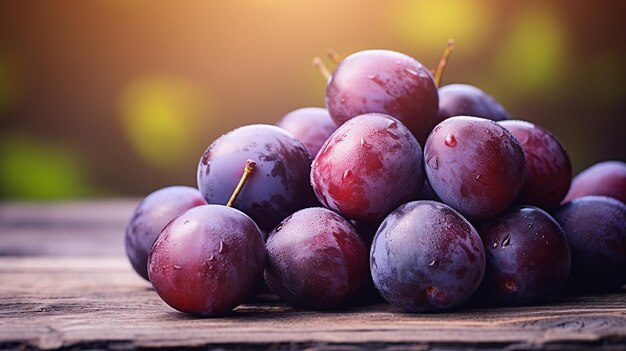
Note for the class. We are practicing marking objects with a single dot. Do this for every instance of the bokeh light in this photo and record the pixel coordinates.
(125, 95)
(33, 169)
(428, 24)
(162, 116)
(533, 53)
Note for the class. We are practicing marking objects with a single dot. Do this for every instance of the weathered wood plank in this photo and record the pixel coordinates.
(51, 303)
(65, 283)
(84, 228)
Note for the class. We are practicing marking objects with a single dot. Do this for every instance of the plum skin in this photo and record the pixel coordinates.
(468, 100)
(359, 166)
(384, 81)
(208, 260)
(596, 231)
(548, 168)
(279, 184)
(528, 258)
(316, 259)
(474, 165)
(426, 257)
(150, 217)
(311, 125)
(606, 178)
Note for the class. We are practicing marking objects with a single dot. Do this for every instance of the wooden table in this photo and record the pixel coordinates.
(65, 283)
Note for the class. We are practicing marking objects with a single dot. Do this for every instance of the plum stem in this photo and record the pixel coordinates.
(322, 67)
(443, 62)
(250, 165)
(333, 56)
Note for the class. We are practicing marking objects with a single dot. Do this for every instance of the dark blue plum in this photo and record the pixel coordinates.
(278, 187)
(596, 231)
(528, 259)
(606, 178)
(426, 257)
(311, 125)
(468, 100)
(150, 217)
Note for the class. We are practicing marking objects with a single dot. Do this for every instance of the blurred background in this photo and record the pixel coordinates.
(110, 98)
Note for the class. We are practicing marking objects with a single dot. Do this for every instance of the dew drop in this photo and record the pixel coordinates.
(507, 241)
(347, 175)
(432, 263)
(223, 247)
(342, 100)
(365, 144)
(177, 267)
(478, 177)
(279, 228)
(437, 128)
(372, 76)
(450, 140)
(431, 290)
(392, 124)
(186, 222)
(211, 267)
(326, 148)
(211, 258)
(411, 72)
(495, 244)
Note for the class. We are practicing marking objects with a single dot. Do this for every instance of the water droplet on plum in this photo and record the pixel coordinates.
(507, 241)
(223, 247)
(365, 144)
(450, 140)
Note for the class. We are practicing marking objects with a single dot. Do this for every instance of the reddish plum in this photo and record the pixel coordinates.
(474, 165)
(208, 260)
(386, 82)
(548, 168)
(369, 166)
(316, 259)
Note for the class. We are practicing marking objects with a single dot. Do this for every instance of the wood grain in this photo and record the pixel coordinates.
(83, 300)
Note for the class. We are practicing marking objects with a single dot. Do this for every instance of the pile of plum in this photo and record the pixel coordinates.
(432, 197)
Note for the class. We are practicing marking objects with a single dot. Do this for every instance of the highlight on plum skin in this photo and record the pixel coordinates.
(468, 100)
(311, 125)
(279, 185)
(596, 231)
(528, 258)
(388, 82)
(474, 165)
(548, 167)
(606, 178)
(316, 259)
(369, 166)
(208, 260)
(426, 257)
(151, 216)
